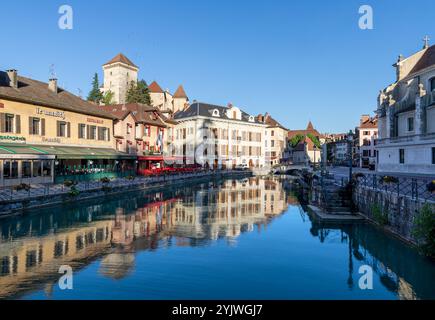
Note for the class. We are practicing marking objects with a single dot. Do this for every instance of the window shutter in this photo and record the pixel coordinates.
(100, 133)
(68, 129)
(88, 132)
(58, 128)
(30, 125)
(17, 123)
(2, 122)
(108, 134)
(79, 126)
(42, 127)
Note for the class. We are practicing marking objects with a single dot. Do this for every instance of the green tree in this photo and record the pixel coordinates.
(138, 93)
(95, 94)
(314, 139)
(296, 139)
(108, 98)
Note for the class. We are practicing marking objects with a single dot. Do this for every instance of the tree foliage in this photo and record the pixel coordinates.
(296, 139)
(138, 93)
(314, 139)
(108, 98)
(95, 95)
(424, 229)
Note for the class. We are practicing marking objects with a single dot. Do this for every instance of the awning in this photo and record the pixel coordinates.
(152, 158)
(23, 151)
(63, 152)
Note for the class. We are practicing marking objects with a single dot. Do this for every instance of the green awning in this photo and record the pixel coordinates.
(63, 152)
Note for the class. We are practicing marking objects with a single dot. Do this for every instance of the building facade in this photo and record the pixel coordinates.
(47, 132)
(367, 135)
(304, 146)
(218, 137)
(406, 116)
(275, 140)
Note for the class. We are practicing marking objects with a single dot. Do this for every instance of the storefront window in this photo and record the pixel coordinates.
(46, 168)
(14, 170)
(26, 169)
(37, 170)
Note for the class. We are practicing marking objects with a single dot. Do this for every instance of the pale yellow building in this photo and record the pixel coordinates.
(46, 131)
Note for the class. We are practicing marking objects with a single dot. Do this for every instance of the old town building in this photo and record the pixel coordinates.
(406, 111)
(219, 137)
(366, 135)
(305, 145)
(167, 103)
(142, 131)
(47, 133)
(275, 139)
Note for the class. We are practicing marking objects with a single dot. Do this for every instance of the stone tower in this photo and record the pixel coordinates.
(118, 75)
(180, 99)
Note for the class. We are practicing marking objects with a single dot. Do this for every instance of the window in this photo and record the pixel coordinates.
(411, 124)
(105, 133)
(92, 132)
(61, 129)
(6, 169)
(82, 131)
(366, 133)
(272, 133)
(34, 126)
(46, 168)
(37, 169)
(272, 143)
(128, 128)
(215, 113)
(433, 155)
(402, 155)
(9, 123)
(432, 84)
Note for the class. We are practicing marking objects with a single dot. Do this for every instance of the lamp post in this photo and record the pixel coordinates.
(350, 141)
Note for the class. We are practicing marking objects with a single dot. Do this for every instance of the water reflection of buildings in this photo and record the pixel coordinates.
(32, 252)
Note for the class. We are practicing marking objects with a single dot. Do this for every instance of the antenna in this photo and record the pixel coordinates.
(52, 72)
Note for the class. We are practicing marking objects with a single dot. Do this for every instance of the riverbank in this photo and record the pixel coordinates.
(53, 195)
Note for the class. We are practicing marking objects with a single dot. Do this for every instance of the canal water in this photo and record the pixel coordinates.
(229, 239)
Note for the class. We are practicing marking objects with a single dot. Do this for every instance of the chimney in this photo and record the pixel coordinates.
(52, 85)
(364, 118)
(13, 78)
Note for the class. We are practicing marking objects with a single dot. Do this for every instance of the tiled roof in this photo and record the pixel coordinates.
(180, 93)
(427, 60)
(310, 129)
(206, 110)
(154, 87)
(37, 92)
(271, 122)
(141, 113)
(369, 124)
(120, 58)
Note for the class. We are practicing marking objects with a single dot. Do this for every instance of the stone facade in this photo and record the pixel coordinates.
(407, 117)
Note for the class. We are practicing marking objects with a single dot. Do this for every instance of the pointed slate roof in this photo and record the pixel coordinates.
(310, 126)
(121, 59)
(154, 87)
(180, 93)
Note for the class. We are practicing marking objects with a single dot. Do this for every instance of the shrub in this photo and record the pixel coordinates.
(74, 192)
(69, 183)
(379, 215)
(424, 230)
(22, 186)
(105, 180)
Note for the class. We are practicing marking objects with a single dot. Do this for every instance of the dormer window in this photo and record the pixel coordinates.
(251, 118)
(215, 113)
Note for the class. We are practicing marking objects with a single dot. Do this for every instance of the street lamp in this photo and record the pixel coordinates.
(350, 141)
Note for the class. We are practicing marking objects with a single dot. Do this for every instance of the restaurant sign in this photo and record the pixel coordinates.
(56, 114)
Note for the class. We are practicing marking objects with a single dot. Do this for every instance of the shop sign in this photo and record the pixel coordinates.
(51, 140)
(98, 121)
(12, 138)
(56, 114)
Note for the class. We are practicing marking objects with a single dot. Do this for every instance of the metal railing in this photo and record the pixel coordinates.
(417, 188)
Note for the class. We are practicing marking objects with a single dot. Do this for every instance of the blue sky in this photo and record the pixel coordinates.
(298, 60)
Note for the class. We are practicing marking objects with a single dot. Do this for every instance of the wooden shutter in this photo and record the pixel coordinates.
(58, 128)
(108, 134)
(17, 123)
(68, 129)
(88, 131)
(79, 127)
(42, 127)
(99, 133)
(2, 122)
(30, 125)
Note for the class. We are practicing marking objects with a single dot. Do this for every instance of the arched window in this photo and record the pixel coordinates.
(432, 84)
(215, 113)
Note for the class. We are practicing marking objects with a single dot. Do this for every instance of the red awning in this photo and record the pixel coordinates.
(153, 158)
